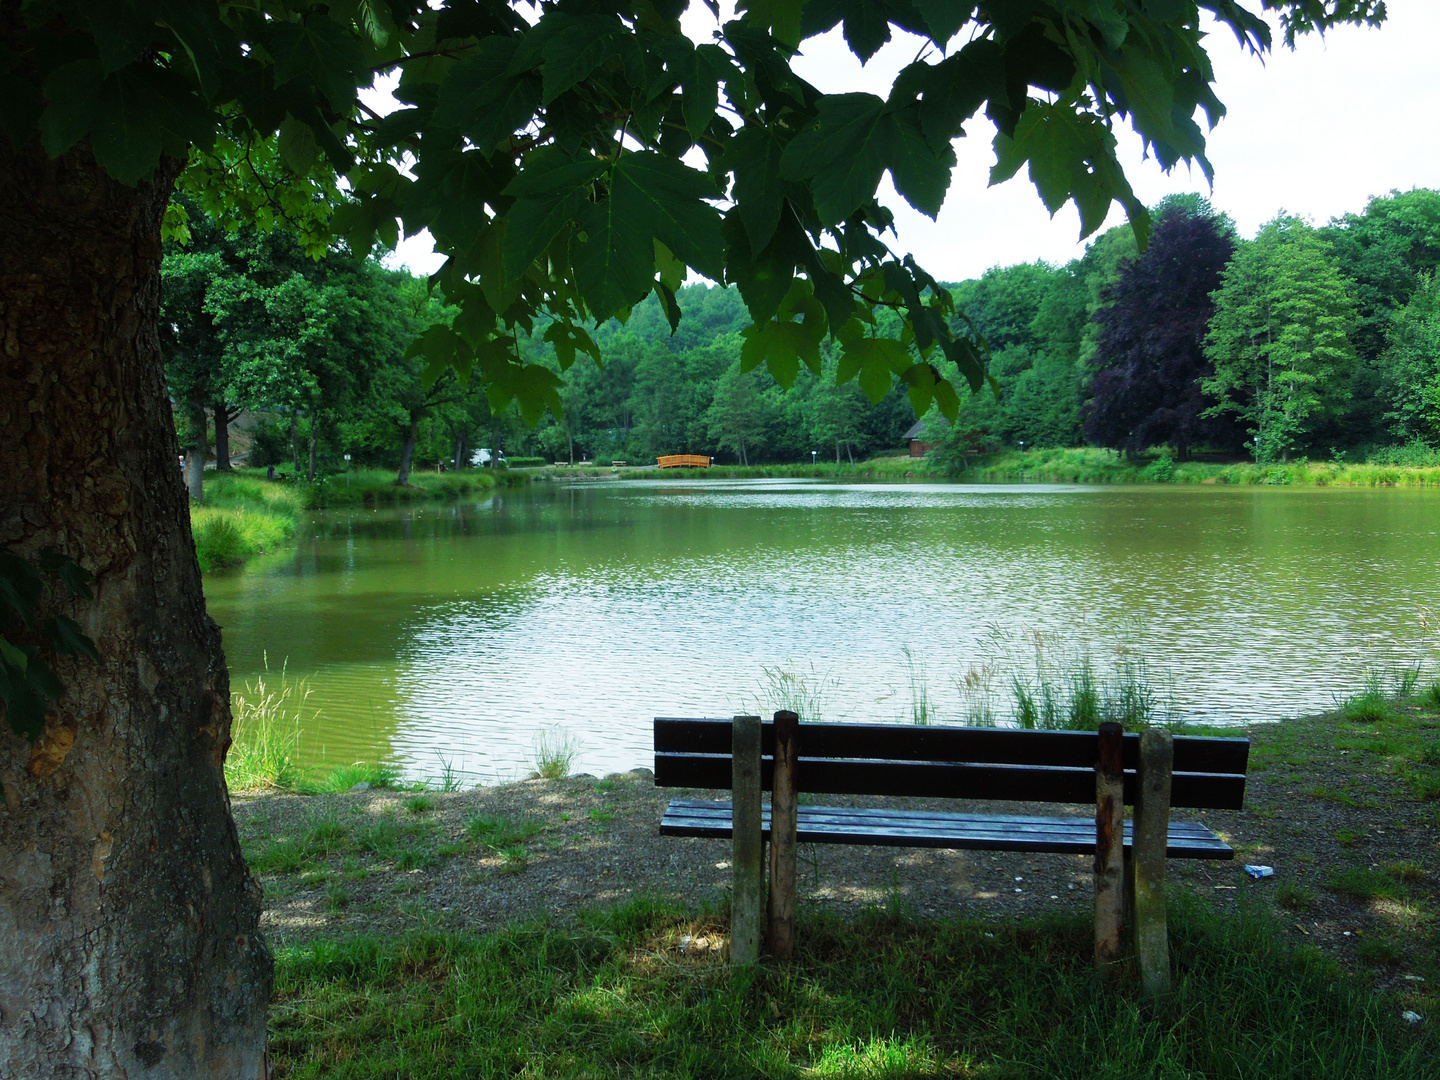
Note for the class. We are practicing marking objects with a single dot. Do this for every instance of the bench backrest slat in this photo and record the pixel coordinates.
(950, 762)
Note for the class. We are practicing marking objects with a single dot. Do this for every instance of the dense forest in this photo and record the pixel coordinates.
(1303, 341)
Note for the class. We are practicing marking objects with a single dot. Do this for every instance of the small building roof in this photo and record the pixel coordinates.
(917, 431)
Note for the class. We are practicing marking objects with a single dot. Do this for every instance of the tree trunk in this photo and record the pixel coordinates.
(310, 472)
(195, 452)
(407, 454)
(128, 918)
(837, 451)
(295, 438)
(571, 439)
(461, 458)
(222, 436)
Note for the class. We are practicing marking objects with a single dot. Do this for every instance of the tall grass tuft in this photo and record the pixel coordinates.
(555, 751)
(922, 711)
(805, 693)
(265, 733)
(1054, 684)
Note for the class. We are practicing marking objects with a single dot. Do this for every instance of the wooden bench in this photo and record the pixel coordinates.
(1103, 769)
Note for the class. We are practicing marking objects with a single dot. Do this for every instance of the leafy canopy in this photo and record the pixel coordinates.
(571, 157)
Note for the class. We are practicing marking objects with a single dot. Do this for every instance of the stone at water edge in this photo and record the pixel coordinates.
(1411, 1017)
(363, 785)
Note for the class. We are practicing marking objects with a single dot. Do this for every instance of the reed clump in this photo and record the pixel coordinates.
(267, 720)
(265, 733)
(554, 753)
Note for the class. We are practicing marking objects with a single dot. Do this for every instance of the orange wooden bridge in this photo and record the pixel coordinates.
(683, 461)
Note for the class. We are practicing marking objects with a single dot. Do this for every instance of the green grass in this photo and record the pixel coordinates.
(883, 995)
(1057, 465)
(1363, 884)
(1294, 897)
(265, 733)
(500, 832)
(1091, 465)
(229, 537)
(878, 468)
(554, 752)
(242, 515)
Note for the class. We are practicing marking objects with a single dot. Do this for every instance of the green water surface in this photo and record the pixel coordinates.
(454, 634)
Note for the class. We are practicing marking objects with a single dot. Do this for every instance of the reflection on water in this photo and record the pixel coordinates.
(452, 634)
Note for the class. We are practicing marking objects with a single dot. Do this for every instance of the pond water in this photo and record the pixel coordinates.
(453, 635)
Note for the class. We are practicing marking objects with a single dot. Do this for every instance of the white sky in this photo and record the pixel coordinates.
(1316, 132)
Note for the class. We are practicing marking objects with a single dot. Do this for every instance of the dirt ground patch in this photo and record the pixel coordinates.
(1347, 815)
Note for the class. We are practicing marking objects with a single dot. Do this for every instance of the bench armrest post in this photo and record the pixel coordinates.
(1152, 829)
(1109, 846)
(747, 900)
(783, 822)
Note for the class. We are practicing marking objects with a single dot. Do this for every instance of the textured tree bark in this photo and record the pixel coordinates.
(407, 453)
(224, 416)
(129, 943)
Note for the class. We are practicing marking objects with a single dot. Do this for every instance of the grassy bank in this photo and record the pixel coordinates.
(244, 514)
(879, 468)
(377, 487)
(1079, 465)
(636, 991)
(1090, 465)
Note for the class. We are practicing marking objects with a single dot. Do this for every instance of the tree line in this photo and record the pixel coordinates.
(1305, 340)
(1318, 340)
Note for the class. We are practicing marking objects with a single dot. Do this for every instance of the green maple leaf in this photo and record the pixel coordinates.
(875, 361)
(131, 116)
(1070, 156)
(553, 189)
(450, 195)
(842, 153)
(651, 198)
(759, 189)
(783, 346)
(577, 45)
(483, 99)
(323, 50)
(569, 339)
(780, 17)
(921, 174)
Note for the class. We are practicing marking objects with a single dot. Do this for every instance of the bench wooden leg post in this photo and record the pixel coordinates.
(747, 902)
(1152, 829)
(1109, 847)
(783, 820)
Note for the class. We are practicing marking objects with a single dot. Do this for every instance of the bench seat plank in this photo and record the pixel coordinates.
(938, 829)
